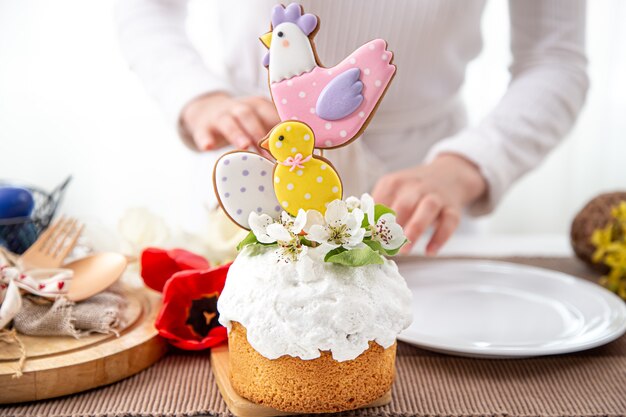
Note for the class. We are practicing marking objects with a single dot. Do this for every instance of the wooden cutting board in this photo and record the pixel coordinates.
(241, 407)
(57, 366)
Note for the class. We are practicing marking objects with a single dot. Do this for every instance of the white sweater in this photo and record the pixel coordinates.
(421, 115)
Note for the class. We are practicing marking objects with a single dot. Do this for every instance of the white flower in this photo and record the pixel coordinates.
(388, 232)
(385, 230)
(285, 232)
(268, 230)
(341, 227)
(291, 250)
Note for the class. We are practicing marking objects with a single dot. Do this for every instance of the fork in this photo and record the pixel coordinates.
(53, 245)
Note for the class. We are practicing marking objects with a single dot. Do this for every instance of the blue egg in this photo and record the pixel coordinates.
(15, 202)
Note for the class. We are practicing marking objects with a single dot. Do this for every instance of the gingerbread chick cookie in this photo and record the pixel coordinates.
(302, 181)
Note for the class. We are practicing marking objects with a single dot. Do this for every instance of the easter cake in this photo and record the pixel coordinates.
(310, 335)
(312, 303)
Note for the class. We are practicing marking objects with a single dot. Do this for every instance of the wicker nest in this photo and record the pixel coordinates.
(595, 215)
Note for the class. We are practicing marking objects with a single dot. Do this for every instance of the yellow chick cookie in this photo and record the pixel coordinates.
(301, 179)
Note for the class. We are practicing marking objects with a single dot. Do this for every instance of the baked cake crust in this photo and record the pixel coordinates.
(320, 385)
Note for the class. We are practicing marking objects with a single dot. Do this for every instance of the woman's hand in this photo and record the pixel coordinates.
(432, 194)
(217, 119)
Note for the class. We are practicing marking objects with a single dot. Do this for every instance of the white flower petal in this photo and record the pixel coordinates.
(356, 240)
(327, 247)
(388, 218)
(285, 217)
(318, 233)
(313, 217)
(278, 232)
(259, 225)
(358, 216)
(367, 205)
(353, 202)
(356, 245)
(397, 238)
(350, 222)
(299, 222)
(336, 212)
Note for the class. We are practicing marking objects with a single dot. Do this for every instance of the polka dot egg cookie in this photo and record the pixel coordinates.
(243, 183)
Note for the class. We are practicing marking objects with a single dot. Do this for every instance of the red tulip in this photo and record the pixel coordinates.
(158, 265)
(188, 317)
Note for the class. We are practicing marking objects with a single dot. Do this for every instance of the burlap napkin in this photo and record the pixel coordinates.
(40, 316)
(101, 313)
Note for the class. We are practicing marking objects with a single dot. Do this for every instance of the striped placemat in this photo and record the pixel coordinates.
(591, 383)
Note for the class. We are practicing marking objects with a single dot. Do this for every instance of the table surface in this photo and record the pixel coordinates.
(590, 383)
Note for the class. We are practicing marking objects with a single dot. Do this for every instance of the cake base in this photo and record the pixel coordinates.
(239, 406)
(309, 386)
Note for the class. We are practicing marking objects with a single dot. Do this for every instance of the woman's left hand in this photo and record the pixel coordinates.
(432, 194)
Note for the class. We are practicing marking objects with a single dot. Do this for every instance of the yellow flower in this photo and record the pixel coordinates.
(610, 244)
(612, 280)
(619, 212)
(616, 257)
(601, 239)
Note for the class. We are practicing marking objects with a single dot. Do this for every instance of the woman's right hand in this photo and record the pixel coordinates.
(216, 120)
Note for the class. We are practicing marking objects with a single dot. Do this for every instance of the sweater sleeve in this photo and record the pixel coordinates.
(547, 91)
(154, 41)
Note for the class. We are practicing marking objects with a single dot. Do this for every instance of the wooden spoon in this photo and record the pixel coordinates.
(94, 274)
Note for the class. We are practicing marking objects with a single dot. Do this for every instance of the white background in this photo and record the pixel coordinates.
(69, 105)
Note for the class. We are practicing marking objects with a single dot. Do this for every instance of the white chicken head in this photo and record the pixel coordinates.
(290, 50)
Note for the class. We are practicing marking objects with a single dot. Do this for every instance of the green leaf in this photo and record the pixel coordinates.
(355, 257)
(334, 252)
(250, 239)
(380, 209)
(374, 244)
(306, 242)
(365, 224)
(258, 248)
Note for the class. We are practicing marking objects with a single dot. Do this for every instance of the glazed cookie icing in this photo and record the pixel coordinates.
(336, 102)
(304, 307)
(290, 51)
(302, 180)
(243, 184)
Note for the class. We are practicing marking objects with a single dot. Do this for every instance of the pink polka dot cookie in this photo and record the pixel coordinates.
(338, 102)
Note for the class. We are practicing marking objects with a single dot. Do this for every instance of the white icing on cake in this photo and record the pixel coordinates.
(300, 308)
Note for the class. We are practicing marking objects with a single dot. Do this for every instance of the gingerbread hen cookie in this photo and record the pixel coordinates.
(338, 102)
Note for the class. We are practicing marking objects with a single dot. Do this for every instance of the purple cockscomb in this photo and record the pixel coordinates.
(293, 14)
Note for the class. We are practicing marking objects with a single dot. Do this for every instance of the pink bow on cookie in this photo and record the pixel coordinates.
(296, 161)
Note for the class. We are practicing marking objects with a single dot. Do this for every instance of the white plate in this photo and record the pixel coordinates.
(497, 309)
